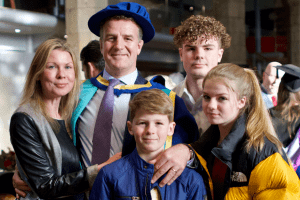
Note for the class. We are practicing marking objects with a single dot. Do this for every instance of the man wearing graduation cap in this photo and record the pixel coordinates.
(99, 121)
(286, 115)
(269, 86)
(123, 28)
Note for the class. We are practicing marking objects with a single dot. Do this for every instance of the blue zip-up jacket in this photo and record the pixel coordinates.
(130, 178)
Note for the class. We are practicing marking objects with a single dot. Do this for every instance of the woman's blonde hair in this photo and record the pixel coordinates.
(258, 124)
(287, 105)
(32, 92)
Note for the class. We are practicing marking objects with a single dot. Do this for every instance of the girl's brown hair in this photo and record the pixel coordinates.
(288, 107)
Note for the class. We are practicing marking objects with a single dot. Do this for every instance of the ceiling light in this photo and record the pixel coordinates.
(17, 30)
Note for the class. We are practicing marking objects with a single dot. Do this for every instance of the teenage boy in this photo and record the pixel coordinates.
(201, 42)
(151, 122)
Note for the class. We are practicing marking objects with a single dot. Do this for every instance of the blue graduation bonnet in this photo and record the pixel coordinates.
(128, 9)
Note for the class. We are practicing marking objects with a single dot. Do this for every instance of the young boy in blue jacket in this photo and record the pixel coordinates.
(151, 123)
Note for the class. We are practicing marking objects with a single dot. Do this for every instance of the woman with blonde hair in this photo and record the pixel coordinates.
(47, 160)
(240, 152)
(286, 115)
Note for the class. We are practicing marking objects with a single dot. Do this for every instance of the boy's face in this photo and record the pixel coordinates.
(150, 131)
(200, 56)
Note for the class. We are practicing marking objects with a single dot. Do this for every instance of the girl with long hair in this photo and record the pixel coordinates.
(240, 152)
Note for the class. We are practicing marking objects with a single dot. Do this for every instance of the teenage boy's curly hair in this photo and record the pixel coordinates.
(197, 25)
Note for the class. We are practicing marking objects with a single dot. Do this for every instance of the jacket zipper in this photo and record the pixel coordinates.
(146, 187)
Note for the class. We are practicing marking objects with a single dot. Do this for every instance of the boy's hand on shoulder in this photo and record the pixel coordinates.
(171, 161)
(115, 157)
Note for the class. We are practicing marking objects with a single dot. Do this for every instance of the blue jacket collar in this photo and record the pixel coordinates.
(141, 164)
(139, 85)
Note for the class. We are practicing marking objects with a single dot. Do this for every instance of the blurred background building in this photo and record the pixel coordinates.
(261, 30)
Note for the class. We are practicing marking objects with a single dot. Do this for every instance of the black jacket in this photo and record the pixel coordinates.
(240, 164)
(281, 127)
(37, 164)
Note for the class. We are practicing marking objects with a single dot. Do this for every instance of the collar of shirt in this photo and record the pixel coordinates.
(128, 79)
(185, 91)
(264, 89)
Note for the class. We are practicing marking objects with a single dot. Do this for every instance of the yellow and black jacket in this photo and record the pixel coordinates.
(247, 175)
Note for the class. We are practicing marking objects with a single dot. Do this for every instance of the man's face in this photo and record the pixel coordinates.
(200, 56)
(270, 81)
(120, 47)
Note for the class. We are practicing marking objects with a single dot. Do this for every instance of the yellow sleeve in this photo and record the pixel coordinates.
(274, 179)
(204, 165)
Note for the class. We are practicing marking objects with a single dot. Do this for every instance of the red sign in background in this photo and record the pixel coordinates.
(268, 44)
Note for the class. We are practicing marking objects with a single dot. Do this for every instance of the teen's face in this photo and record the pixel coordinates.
(220, 104)
(201, 56)
(150, 131)
(58, 77)
(120, 47)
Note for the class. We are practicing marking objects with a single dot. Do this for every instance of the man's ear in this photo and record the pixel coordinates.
(140, 45)
(101, 46)
(264, 76)
(93, 71)
(129, 126)
(171, 128)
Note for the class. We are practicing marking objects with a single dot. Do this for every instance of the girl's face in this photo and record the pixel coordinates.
(220, 104)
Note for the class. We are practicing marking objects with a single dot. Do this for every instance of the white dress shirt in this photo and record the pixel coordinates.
(87, 119)
(195, 107)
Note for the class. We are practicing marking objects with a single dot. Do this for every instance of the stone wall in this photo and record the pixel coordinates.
(232, 14)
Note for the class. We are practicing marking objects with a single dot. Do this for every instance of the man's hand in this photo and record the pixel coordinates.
(115, 157)
(20, 186)
(173, 160)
